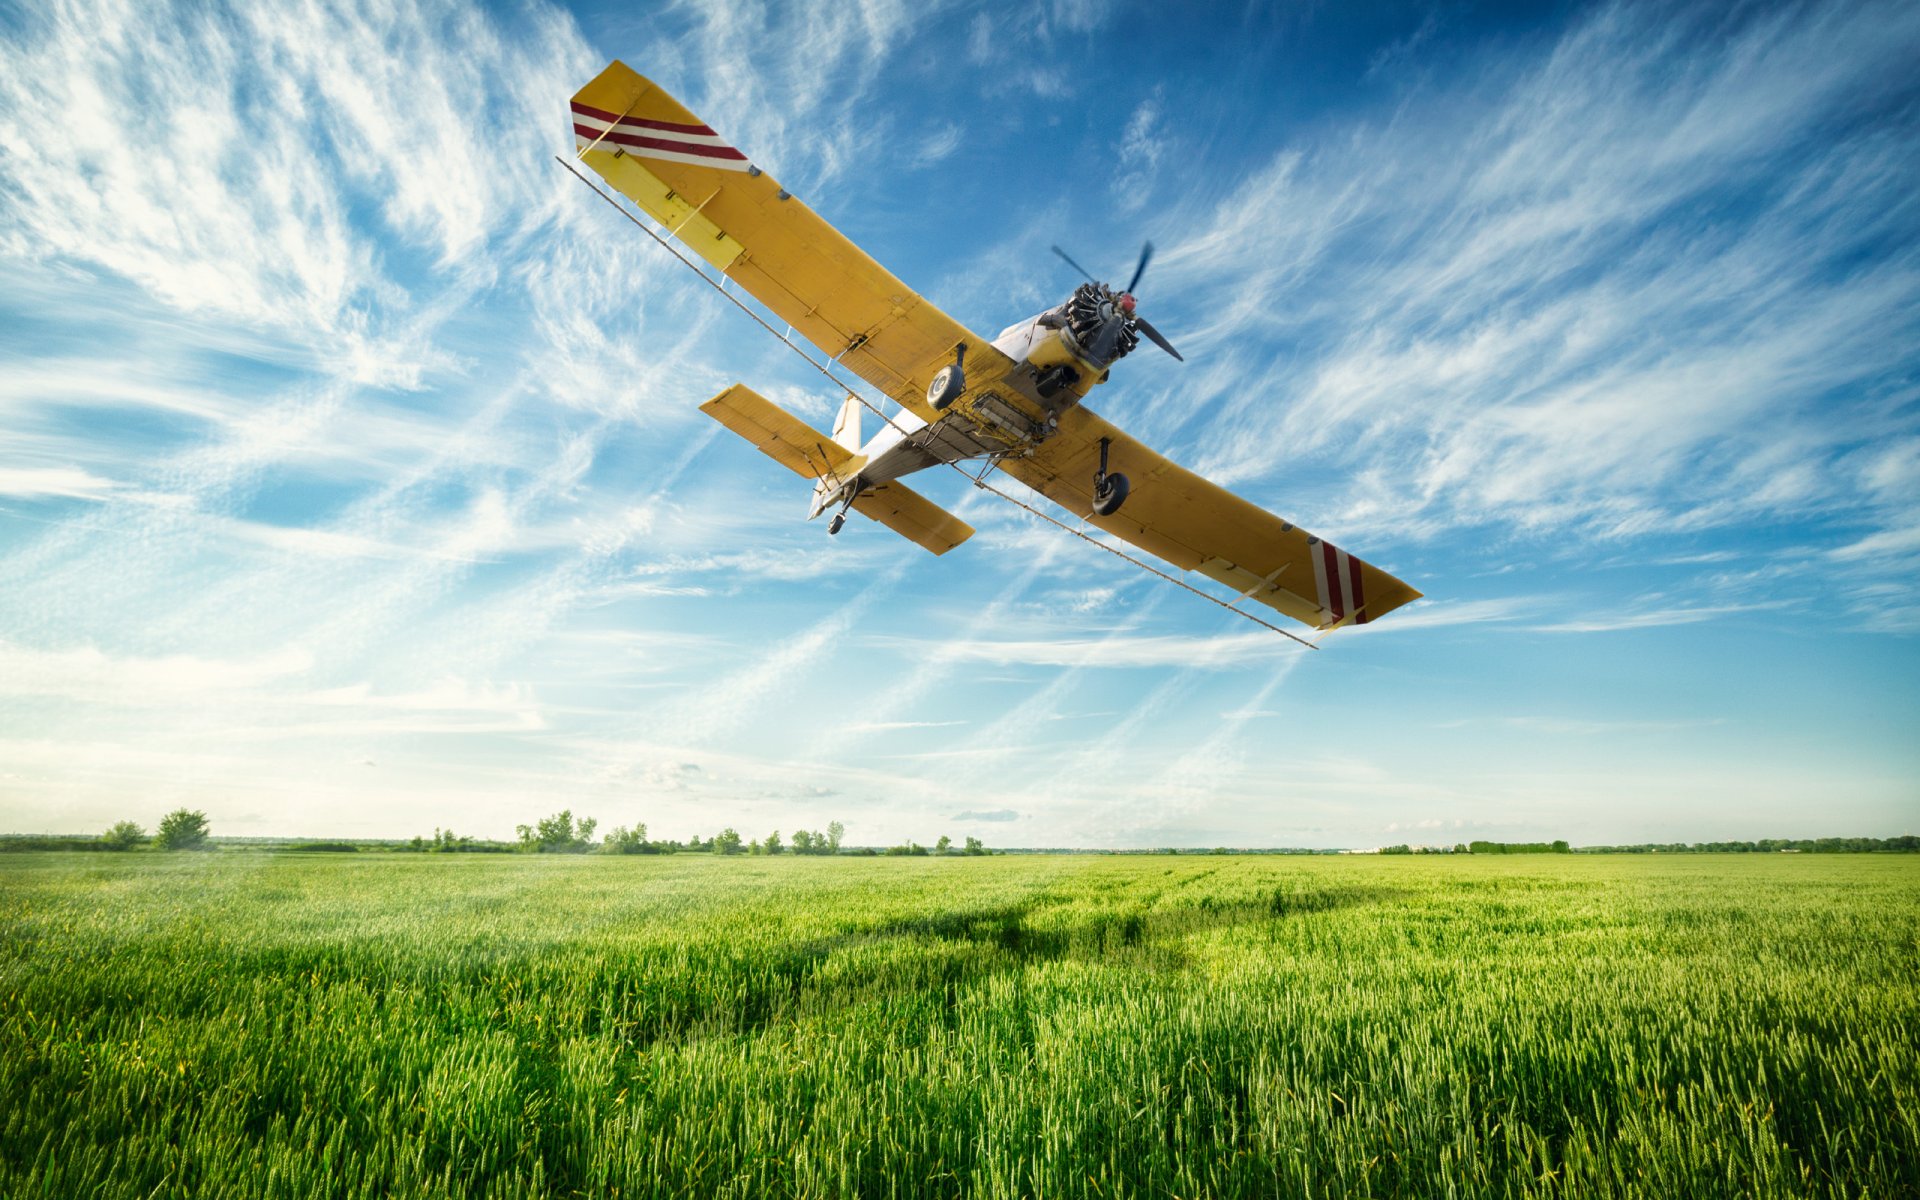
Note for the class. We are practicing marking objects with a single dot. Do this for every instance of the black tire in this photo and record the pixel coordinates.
(946, 386)
(834, 525)
(1109, 494)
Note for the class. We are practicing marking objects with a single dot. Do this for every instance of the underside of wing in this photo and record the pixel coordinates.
(1200, 526)
(671, 164)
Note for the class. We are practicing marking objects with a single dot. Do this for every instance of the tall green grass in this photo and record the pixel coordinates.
(251, 1024)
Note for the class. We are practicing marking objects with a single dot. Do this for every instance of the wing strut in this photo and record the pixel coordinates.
(979, 481)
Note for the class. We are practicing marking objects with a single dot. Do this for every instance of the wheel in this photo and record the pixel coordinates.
(1109, 494)
(946, 386)
(834, 525)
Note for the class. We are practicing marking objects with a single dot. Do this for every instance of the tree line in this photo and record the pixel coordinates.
(1905, 844)
(1559, 847)
(563, 833)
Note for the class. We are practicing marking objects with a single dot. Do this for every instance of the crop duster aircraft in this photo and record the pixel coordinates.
(1015, 401)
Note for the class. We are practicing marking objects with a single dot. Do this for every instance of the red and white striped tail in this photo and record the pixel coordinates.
(595, 128)
(1337, 575)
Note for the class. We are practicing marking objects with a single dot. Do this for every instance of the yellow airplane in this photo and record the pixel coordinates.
(1014, 402)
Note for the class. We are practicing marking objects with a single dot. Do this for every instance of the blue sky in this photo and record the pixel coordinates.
(352, 483)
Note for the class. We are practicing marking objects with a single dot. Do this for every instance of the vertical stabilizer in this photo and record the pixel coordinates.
(846, 426)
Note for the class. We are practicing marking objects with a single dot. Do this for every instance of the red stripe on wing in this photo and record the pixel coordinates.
(597, 114)
(634, 140)
(1335, 603)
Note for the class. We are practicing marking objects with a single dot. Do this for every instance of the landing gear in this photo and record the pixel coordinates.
(834, 526)
(1109, 489)
(950, 382)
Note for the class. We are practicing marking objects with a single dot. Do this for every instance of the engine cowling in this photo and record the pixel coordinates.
(1090, 312)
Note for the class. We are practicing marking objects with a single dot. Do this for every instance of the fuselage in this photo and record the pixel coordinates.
(1058, 356)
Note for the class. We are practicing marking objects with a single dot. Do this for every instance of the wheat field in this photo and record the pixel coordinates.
(259, 1024)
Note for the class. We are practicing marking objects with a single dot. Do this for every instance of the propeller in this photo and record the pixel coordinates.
(1146, 252)
(1126, 296)
(1076, 266)
(1153, 335)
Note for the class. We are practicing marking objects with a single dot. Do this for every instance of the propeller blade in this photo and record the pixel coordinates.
(1153, 335)
(1076, 266)
(1146, 252)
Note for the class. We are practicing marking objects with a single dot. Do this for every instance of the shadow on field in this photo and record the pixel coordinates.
(1012, 930)
(919, 968)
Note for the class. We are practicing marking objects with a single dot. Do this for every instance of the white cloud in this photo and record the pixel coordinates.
(1886, 543)
(1604, 296)
(1651, 619)
(1138, 155)
(88, 673)
(69, 482)
(938, 145)
(1235, 650)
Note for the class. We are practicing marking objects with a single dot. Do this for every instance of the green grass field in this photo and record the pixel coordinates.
(254, 1024)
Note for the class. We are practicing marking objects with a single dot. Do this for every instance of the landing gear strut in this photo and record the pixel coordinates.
(839, 520)
(1109, 489)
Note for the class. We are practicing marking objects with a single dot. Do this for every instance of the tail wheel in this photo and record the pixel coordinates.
(1109, 493)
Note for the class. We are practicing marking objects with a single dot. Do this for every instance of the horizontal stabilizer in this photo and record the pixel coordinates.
(913, 517)
(781, 436)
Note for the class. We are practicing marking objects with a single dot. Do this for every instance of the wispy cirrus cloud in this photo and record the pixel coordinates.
(1652, 618)
(71, 482)
(1601, 294)
(1234, 650)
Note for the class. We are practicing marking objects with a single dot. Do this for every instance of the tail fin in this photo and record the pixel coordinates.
(846, 426)
(792, 443)
(846, 435)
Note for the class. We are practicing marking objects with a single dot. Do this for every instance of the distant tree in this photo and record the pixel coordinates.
(1402, 848)
(802, 842)
(727, 841)
(558, 834)
(182, 829)
(450, 844)
(773, 842)
(908, 848)
(944, 845)
(626, 841)
(835, 831)
(1517, 847)
(124, 836)
(974, 846)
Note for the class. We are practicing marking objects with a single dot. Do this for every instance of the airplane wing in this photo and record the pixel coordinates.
(737, 217)
(1200, 526)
